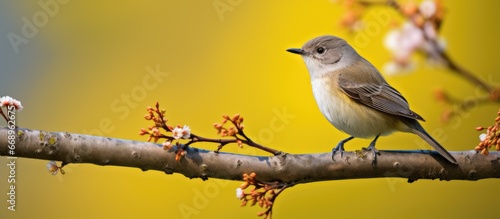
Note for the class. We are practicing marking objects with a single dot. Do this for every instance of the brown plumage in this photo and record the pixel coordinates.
(353, 96)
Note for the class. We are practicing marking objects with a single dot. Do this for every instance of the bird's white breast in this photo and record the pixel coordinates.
(330, 105)
(345, 114)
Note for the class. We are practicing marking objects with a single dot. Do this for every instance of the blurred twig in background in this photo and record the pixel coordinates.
(418, 34)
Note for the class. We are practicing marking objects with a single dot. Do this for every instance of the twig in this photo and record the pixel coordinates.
(450, 63)
(3, 115)
(222, 142)
(157, 115)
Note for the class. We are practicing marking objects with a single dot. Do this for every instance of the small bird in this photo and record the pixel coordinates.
(354, 97)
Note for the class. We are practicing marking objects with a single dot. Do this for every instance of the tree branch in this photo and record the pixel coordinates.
(296, 168)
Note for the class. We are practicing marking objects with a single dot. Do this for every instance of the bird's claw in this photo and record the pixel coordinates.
(374, 151)
(340, 148)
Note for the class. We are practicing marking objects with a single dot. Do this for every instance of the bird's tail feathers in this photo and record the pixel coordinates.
(417, 129)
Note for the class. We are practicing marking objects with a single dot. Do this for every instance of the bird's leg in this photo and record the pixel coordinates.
(372, 148)
(340, 147)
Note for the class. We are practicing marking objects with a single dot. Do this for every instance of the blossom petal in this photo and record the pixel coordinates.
(482, 137)
(239, 193)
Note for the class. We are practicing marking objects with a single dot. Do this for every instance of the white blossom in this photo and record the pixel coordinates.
(394, 68)
(402, 43)
(167, 144)
(184, 132)
(482, 137)
(391, 68)
(239, 193)
(177, 133)
(391, 40)
(9, 101)
(411, 37)
(404, 40)
(52, 167)
(428, 8)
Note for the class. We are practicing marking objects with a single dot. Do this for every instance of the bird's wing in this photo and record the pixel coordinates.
(381, 97)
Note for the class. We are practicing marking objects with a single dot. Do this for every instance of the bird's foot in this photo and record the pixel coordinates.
(374, 150)
(340, 148)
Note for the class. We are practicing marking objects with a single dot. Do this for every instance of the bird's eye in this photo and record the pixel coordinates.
(320, 50)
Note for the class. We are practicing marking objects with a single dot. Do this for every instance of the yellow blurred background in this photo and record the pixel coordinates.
(87, 61)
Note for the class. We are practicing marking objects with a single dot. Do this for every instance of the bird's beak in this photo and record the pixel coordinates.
(296, 51)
